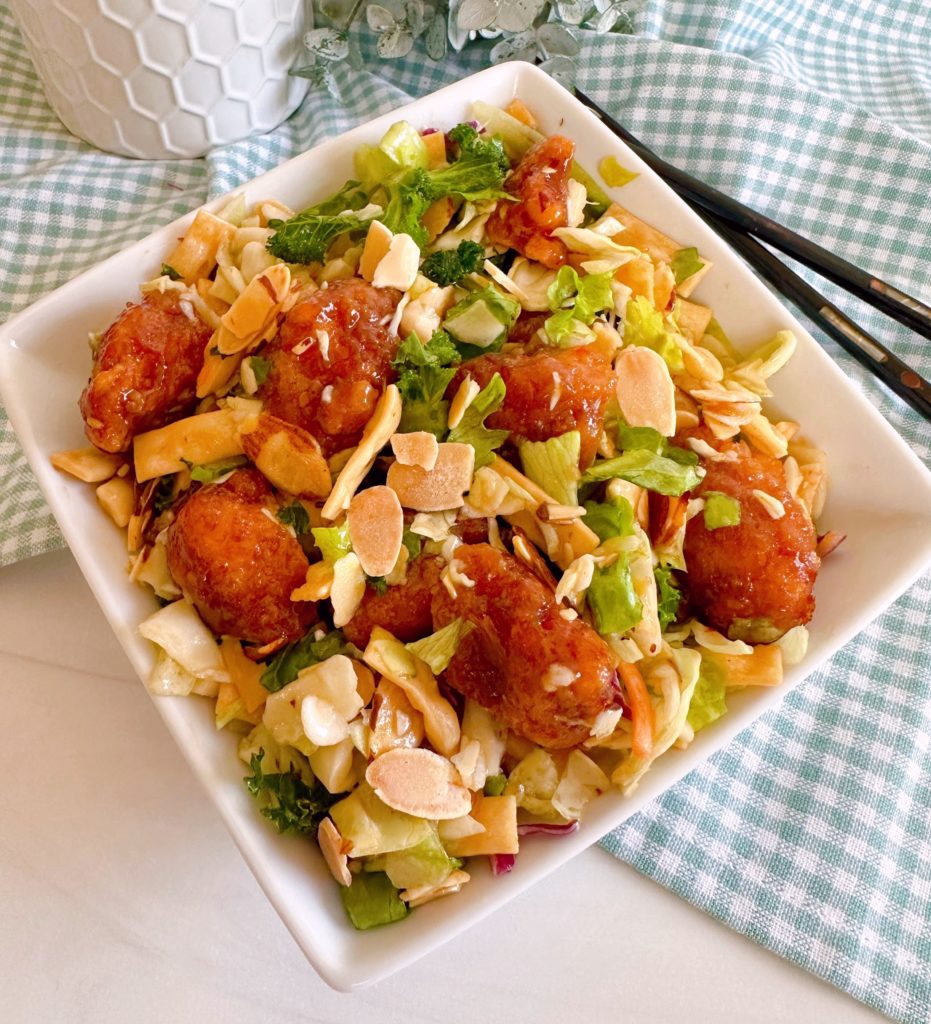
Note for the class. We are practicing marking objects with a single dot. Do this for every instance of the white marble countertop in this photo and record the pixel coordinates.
(125, 900)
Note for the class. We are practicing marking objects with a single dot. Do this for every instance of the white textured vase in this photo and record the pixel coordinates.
(163, 79)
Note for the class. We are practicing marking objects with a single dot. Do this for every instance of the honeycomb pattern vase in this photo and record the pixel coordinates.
(162, 79)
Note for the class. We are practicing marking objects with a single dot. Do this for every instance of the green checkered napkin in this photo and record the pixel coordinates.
(810, 832)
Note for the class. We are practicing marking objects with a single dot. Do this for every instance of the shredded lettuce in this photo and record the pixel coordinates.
(709, 701)
(685, 263)
(659, 473)
(439, 649)
(668, 596)
(211, 471)
(609, 519)
(471, 428)
(481, 321)
(576, 301)
(720, 510)
(303, 653)
(630, 438)
(295, 516)
(447, 266)
(372, 901)
(333, 541)
(644, 325)
(424, 373)
(612, 598)
(427, 863)
(554, 465)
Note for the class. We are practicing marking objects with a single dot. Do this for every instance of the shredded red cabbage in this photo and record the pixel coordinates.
(545, 828)
(501, 863)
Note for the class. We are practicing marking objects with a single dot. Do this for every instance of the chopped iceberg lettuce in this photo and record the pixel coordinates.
(372, 901)
(554, 465)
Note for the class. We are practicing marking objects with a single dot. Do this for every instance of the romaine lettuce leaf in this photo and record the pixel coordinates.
(554, 465)
(668, 596)
(609, 519)
(612, 599)
(439, 649)
(372, 901)
(685, 263)
(709, 699)
(573, 298)
(720, 510)
(654, 472)
(644, 325)
(471, 428)
(303, 653)
(333, 541)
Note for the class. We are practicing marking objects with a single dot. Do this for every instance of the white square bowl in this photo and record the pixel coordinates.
(880, 496)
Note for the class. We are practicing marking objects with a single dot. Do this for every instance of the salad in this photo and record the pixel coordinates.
(456, 504)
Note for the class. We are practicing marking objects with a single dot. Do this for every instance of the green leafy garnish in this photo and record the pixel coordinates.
(644, 325)
(658, 473)
(447, 266)
(303, 653)
(211, 471)
(170, 272)
(720, 510)
(260, 369)
(609, 519)
(709, 701)
(424, 373)
(413, 542)
(471, 428)
(378, 583)
(295, 516)
(439, 649)
(668, 595)
(576, 301)
(289, 803)
(372, 900)
(306, 237)
(554, 465)
(333, 541)
(685, 263)
(612, 598)
(164, 496)
(494, 784)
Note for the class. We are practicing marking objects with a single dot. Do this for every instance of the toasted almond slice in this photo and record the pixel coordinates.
(331, 846)
(645, 391)
(287, 456)
(830, 542)
(199, 439)
(418, 448)
(88, 464)
(347, 589)
(398, 267)
(376, 527)
(463, 398)
(773, 506)
(764, 437)
(317, 584)
(117, 499)
(378, 430)
(376, 246)
(252, 311)
(419, 782)
(442, 487)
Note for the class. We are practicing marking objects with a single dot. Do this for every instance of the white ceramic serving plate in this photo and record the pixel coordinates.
(880, 496)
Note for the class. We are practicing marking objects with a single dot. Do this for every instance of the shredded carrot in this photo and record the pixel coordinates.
(641, 709)
(245, 675)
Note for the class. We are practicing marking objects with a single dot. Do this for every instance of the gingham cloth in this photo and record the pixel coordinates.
(810, 832)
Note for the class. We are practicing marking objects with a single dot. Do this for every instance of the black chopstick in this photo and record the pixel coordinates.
(892, 301)
(867, 350)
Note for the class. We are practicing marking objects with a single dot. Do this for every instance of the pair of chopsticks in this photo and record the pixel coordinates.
(744, 229)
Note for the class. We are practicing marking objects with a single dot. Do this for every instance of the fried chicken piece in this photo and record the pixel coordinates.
(331, 360)
(546, 678)
(238, 565)
(403, 609)
(753, 581)
(549, 392)
(540, 182)
(145, 371)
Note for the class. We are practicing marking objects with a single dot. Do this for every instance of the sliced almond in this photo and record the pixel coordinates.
(348, 588)
(376, 528)
(418, 448)
(317, 583)
(288, 457)
(646, 394)
(376, 246)
(419, 782)
(442, 487)
(772, 505)
(88, 464)
(465, 395)
(117, 499)
(398, 267)
(332, 848)
(378, 430)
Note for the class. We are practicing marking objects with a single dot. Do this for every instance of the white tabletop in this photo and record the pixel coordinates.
(124, 899)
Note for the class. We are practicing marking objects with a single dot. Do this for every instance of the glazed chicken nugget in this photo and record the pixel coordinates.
(403, 609)
(332, 360)
(753, 581)
(145, 371)
(545, 677)
(549, 392)
(237, 564)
